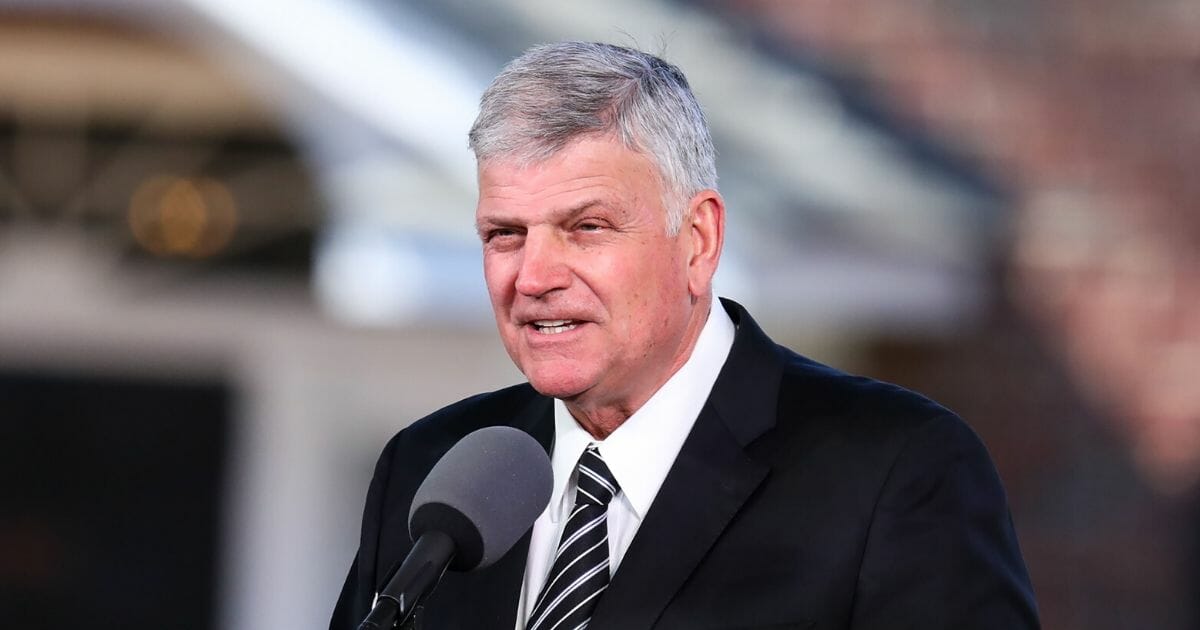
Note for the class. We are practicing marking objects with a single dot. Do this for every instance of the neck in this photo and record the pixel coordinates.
(601, 417)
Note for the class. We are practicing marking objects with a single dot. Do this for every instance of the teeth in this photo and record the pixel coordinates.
(553, 326)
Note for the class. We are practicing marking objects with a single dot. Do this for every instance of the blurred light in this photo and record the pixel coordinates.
(177, 216)
(372, 72)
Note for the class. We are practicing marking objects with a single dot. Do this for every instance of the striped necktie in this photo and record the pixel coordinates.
(580, 571)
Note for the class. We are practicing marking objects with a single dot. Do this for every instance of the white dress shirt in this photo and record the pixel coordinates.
(639, 454)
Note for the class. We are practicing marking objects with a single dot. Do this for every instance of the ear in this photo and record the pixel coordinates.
(706, 223)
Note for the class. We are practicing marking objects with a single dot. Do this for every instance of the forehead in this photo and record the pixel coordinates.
(590, 166)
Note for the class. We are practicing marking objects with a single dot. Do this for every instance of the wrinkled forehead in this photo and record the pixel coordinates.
(591, 173)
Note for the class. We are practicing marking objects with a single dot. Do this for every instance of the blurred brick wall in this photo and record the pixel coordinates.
(1086, 384)
(1104, 552)
(1090, 111)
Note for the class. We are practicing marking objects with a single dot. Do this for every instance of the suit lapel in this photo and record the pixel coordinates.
(706, 487)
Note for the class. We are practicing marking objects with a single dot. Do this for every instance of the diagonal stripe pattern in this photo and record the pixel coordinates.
(580, 571)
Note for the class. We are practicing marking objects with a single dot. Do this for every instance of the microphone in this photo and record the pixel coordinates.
(479, 498)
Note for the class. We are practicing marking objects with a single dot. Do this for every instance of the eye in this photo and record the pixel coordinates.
(498, 234)
(589, 226)
(503, 239)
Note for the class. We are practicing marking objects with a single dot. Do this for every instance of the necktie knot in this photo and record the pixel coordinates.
(596, 484)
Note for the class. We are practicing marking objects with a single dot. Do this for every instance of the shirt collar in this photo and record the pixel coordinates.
(641, 451)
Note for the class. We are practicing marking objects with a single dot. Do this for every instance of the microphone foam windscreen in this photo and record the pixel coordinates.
(485, 493)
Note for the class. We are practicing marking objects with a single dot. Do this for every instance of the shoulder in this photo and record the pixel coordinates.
(428, 438)
(403, 465)
(854, 401)
(769, 390)
(869, 425)
(409, 456)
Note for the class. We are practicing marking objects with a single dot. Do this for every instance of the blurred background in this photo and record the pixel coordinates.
(237, 254)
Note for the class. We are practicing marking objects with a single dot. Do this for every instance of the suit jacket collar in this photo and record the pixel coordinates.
(747, 390)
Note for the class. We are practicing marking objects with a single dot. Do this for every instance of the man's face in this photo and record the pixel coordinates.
(590, 294)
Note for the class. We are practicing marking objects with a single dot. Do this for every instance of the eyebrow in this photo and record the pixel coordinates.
(557, 216)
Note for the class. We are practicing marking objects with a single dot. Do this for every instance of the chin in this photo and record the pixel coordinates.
(563, 386)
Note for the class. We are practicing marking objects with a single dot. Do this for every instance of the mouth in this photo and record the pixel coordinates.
(553, 326)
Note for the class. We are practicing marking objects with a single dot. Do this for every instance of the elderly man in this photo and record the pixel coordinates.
(704, 477)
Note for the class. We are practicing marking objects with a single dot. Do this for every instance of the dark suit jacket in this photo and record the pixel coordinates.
(802, 498)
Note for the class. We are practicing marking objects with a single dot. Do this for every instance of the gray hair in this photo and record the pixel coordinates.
(555, 93)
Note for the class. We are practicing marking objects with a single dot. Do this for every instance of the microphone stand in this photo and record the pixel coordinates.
(421, 571)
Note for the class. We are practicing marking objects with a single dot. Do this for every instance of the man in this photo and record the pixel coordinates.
(704, 476)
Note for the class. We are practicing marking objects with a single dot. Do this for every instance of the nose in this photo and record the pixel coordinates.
(544, 265)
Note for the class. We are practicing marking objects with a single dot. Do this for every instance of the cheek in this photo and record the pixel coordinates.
(649, 302)
(498, 281)
(663, 281)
